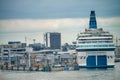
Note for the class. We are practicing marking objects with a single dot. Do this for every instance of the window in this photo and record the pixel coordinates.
(84, 57)
(111, 45)
(111, 57)
(81, 57)
(5, 50)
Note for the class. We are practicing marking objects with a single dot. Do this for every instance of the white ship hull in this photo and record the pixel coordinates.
(95, 59)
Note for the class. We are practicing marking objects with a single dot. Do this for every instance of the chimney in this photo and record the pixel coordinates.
(92, 22)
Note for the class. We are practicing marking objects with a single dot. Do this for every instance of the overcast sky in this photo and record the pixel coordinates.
(44, 9)
(65, 16)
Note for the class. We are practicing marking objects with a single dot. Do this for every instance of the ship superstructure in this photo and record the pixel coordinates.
(95, 47)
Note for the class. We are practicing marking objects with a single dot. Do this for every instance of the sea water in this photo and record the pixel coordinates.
(82, 74)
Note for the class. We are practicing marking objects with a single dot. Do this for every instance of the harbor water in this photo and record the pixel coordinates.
(82, 74)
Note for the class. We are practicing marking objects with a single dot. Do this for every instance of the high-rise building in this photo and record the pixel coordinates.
(52, 40)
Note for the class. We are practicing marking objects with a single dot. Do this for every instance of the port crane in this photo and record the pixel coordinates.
(117, 41)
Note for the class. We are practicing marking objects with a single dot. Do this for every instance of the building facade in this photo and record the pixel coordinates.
(12, 52)
(52, 40)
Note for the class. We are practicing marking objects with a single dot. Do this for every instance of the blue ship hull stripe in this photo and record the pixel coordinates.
(110, 49)
(107, 66)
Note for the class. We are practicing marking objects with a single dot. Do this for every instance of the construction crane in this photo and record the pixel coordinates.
(116, 41)
(28, 38)
(31, 37)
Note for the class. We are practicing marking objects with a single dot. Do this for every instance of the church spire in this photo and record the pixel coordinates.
(92, 22)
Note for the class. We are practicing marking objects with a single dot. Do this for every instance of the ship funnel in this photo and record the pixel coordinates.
(92, 22)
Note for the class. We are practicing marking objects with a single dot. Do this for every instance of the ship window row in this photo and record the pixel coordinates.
(82, 57)
(98, 39)
(96, 35)
(109, 57)
(96, 45)
(95, 42)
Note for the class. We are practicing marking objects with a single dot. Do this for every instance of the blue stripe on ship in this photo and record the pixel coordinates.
(110, 49)
(108, 66)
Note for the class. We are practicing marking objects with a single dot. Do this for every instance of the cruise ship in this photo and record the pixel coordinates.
(95, 47)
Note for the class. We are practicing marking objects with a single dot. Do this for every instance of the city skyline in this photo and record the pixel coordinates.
(33, 18)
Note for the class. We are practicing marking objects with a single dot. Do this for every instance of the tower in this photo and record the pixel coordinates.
(92, 22)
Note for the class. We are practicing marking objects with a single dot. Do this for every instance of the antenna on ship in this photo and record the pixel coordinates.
(92, 22)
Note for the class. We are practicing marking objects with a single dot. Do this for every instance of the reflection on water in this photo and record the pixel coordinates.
(82, 74)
